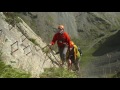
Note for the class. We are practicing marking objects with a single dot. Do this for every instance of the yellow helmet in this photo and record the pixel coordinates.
(61, 27)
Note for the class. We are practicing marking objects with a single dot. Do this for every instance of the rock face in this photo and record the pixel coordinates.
(19, 51)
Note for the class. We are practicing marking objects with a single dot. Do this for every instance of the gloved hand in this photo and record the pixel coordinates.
(49, 44)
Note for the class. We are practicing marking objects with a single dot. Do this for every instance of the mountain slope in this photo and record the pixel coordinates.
(100, 36)
(92, 31)
(97, 33)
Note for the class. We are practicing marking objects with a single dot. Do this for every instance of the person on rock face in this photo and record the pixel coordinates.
(63, 42)
(73, 57)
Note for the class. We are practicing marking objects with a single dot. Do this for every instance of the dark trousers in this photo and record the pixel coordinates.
(63, 51)
(72, 58)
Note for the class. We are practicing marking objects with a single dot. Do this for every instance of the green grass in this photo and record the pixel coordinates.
(6, 71)
(46, 50)
(33, 41)
(117, 75)
(86, 57)
(57, 73)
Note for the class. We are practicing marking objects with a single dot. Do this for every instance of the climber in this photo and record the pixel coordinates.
(73, 56)
(63, 42)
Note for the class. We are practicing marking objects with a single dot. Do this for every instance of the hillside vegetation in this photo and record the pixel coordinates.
(7, 71)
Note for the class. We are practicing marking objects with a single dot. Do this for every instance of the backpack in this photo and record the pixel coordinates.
(80, 51)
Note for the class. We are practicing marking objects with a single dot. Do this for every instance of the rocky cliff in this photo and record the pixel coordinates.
(19, 50)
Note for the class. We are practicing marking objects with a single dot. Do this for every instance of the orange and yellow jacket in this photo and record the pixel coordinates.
(76, 52)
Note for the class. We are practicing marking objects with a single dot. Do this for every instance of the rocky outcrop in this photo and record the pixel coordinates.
(19, 51)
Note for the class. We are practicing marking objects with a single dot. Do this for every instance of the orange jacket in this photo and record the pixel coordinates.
(61, 39)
